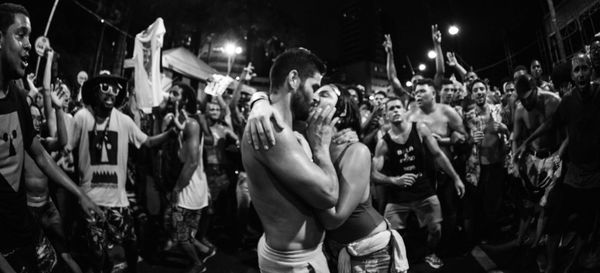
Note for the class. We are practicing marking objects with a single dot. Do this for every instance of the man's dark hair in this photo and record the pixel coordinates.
(7, 14)
(470, 87)
(524, 83)
(347, 111)
(300, 59)
(393, 98)
(189, 96)
(381, 92)
(519, 68)
(446, 81)
(425, 81)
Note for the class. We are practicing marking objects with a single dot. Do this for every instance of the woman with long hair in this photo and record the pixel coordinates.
(358, 237)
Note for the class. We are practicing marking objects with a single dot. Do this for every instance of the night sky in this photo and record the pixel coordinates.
(486, 28)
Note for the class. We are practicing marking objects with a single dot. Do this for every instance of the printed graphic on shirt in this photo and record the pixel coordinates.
(11, 149)
(407, 158)
(103, 149)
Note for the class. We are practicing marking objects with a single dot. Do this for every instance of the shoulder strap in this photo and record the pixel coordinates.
(339, 158)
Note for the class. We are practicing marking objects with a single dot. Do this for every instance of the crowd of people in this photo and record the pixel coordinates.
(315, 176)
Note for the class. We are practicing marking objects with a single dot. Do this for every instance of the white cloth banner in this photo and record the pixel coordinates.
(146, 57)
(218, 85)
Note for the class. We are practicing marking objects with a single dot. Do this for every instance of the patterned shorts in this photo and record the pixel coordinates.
(116, 229)
(39, 259)
(185, 224)
(537, 174)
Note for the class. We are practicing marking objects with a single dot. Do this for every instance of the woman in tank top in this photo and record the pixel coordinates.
(358, 238)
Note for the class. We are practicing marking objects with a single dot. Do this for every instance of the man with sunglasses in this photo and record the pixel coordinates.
(102, 135)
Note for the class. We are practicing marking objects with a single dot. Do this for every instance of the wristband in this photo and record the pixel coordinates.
(256, 97)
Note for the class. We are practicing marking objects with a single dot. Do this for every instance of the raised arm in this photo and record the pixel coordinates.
(462, 72)
(262, 122)
(46, 89)
(237, 93)
(354, 181)
(391, 67)
(58, 97)
(225, 110)
(440, 158)
(436, 37)
(30, 82)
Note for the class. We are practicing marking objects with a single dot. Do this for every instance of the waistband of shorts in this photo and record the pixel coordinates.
(291, 256)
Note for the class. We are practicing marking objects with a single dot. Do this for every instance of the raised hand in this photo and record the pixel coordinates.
(320, 127)
(247, 73)
(180, 125)
(451, 59)
(259, 126)
(436, 35)
(387, 44)
(345, 136)
(31, 77)
(58, 96)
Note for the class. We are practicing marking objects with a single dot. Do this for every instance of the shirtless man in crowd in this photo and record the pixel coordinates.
(539, 162)
(292, 179)
(447, 128)
(36, 182)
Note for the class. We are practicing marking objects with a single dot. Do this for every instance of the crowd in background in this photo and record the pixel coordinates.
(172, 180)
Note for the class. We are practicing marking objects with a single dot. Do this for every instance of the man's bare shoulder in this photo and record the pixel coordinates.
(447, 110)
(284, 137)
(549, 97)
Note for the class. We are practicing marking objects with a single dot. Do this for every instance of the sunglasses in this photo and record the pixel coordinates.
(112, 89)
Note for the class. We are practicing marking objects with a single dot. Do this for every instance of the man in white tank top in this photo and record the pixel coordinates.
(190, 193)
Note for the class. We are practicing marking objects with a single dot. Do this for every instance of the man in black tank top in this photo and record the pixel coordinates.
(400, 163)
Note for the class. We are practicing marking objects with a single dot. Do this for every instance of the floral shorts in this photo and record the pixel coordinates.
(114, 230)
(185, 224)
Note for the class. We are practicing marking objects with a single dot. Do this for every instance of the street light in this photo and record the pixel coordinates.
(431, 54)
(408, 83)
(422, 67)
(231, 50)
(453, 30)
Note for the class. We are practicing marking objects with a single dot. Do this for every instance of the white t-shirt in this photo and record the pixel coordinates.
(195, 195)
(103, 155)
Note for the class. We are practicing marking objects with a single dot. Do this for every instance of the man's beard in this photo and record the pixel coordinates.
(300, 104)
(103, 111)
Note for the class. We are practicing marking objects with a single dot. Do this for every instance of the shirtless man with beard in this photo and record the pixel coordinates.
(292, 180)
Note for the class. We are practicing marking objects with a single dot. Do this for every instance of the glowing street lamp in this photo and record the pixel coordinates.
(408, 83)
(431, 54)
(422, 67)
(231, 50)
(453, 30)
